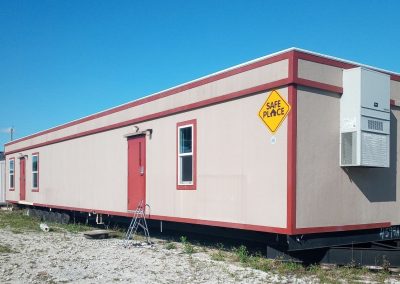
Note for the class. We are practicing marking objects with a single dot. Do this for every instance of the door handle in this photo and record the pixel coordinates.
(141, 170)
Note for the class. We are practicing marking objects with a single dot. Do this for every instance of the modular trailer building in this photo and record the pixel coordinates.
(2, 180)
(211, 152)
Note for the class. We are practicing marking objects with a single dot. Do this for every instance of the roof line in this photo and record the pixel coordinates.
(345, 61)
(205, 77)
(157, 93)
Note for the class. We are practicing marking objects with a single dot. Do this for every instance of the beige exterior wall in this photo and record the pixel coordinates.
(395, 91)
(238, 82)
(320, 73)
(331, 75)
(241, 176)
(328, 195)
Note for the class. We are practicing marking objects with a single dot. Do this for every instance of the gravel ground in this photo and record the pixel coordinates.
(66, 257)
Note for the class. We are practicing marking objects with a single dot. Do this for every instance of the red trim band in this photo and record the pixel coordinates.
(164, 94)
(225, 224)
(318, 85)
(161, 114)
(292, 56)
(313, 230)
(258, 228)
(291, 159)
(171, 219)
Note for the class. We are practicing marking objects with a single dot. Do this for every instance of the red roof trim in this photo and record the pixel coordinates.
(337, 63)
(180, 109)
(292, 55)
(164, 94)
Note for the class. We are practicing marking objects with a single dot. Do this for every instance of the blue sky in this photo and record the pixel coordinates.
(62, 60)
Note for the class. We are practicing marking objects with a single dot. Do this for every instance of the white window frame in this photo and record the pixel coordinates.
(11, 173)
(35, 172)
(180, 182)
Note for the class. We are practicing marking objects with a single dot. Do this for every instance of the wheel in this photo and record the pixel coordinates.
(52, 217)
(64, 218)
(39, 214)
(58, 217)
(45, 216)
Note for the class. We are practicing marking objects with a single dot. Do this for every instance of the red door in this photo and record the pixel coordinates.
(22, 189)
(136, 171)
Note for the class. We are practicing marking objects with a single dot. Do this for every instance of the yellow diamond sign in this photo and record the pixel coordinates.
(274, 111)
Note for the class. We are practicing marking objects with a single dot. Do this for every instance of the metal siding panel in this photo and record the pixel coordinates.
(328, 195)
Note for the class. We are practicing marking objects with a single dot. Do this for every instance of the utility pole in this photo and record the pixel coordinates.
(11, 133)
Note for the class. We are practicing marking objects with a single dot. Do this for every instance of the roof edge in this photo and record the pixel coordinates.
(55, 128)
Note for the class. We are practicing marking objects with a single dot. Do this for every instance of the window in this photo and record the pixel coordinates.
(11, 173)
(35, 171)
(186, 155)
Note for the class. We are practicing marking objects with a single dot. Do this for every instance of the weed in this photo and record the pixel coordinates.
(290, 267)
(187, 246)
(242, 254)
(6, 249)
(260, 263)
(170, 246)
(218, 256)
(17, 222)
(382, 277)
(385, 263)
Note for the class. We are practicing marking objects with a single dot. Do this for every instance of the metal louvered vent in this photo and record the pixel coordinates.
(374, 149)
(375, 125)
(349, 144)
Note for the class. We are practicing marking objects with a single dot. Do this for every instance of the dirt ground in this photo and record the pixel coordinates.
(39, 257)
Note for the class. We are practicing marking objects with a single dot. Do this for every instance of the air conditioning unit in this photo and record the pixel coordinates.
(365, 119)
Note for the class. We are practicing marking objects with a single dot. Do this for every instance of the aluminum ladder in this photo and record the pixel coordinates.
(138, 221)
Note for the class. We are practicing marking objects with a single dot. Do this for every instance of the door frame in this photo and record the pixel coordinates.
(144, 161)
(22, 178)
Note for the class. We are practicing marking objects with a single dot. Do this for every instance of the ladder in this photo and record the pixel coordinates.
(138, 220)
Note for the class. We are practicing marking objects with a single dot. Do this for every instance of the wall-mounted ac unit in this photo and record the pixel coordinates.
(365, 118)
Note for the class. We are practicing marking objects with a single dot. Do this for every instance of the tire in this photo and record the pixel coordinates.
(64, 218)
(45, 216)
(58, 217)
(39, 214)
(52, 217)
(33, 213)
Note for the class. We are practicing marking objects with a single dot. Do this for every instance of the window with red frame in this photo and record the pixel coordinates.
(35, 171)
(186, 163)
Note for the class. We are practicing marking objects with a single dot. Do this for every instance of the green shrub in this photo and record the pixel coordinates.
(242, 254)
(187, 246)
